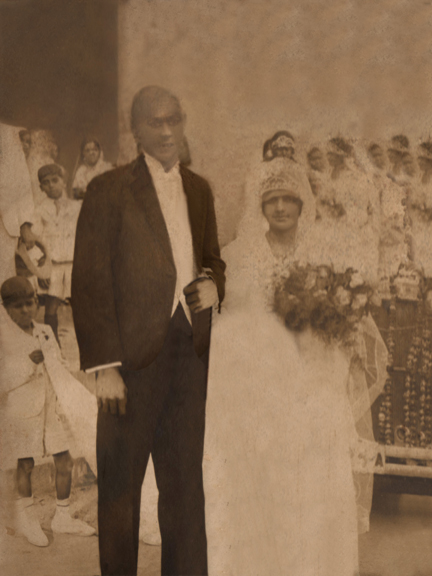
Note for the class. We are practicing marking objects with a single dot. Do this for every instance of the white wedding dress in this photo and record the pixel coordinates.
(280, 497)
(277, 471)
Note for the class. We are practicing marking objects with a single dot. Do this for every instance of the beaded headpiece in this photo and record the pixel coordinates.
(279, 182)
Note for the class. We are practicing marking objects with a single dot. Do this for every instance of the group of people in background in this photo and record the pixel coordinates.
(44, 410)
(373, 199)
(376, 194)
(388, 183)
(48, 261)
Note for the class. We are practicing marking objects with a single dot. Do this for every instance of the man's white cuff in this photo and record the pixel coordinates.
(102, 367)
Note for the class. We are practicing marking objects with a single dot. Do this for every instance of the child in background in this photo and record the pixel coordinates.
(58, 215)
(29, 411)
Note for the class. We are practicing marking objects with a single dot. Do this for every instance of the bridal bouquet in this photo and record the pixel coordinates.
(331, 304)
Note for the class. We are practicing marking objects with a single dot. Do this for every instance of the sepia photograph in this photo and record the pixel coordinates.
(215, 288)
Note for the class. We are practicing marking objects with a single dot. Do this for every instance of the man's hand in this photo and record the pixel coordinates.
(79, 193)
(44, 283)
(27, 235)
(201, 294)
(111, 391)
(36, 356)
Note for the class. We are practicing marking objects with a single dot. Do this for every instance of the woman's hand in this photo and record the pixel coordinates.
(36, 356)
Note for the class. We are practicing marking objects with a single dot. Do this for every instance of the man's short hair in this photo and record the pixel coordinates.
(15, 289)
(49, 169)
(143, 100)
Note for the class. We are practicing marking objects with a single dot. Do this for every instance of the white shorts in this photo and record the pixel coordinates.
(61, 280)
(35, 437)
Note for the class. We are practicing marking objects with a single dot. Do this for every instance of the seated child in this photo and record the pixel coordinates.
(58, 215)
(29, 410)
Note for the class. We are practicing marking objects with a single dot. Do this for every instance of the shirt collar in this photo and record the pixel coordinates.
(62, 201)
(156, 167)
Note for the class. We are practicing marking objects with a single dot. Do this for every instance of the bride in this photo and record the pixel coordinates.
(280, 496)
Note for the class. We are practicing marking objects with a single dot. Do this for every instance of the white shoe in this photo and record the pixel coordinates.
(28, 525)
(63, 523)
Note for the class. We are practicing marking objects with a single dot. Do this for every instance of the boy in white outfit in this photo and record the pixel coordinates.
(29, 411)
(58, 216)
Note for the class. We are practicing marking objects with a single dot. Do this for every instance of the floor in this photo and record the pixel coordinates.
(398, 544)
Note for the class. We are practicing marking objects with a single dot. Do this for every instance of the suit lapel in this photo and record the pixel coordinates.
(145, 195)
(146, 198)
(195, 202)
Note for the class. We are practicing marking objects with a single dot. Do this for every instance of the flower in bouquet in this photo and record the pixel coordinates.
(327, 321)
(292, 309)
(342, 297)
(357, 280)
(325, 277)
(360, 301)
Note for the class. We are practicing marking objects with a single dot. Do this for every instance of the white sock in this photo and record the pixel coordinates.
(62, 506)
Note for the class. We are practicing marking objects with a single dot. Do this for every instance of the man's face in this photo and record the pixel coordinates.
(280, 210)
(53, 185)
(316, 160)
(23, 312)
(377, 157)
(160, 133)
(91, 153)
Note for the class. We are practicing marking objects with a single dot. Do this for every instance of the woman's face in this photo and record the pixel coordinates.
(91, 153)
(335, 160)
(316, 160)
(395, 157)
(280, 210)
(408, 164)
(377, 157)
(25, 138)
(423, 163)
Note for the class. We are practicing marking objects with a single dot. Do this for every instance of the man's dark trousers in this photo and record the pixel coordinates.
(165, 416)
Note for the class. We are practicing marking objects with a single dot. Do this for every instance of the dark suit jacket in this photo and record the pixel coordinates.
(124, 277)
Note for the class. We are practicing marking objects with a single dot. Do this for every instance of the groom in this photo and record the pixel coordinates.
(147, 272)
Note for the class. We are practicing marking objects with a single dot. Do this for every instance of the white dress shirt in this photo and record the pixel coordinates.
(173, 203)
(58, 220)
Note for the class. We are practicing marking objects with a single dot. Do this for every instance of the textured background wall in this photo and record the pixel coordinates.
(244, 69)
